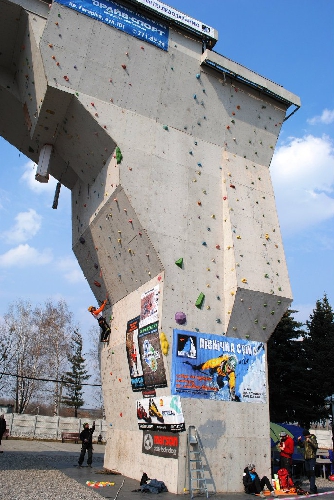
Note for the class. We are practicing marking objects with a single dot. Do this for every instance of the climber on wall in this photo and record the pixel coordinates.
(97, 313)
(225, 367)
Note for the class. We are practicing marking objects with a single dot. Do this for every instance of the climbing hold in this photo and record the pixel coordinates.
(125, 209)
(115, 199)
(130, 220)
(247, 336)
(180, 318)
(256, 321)
(119, 240)
(238, 237)
(124, 66)
(218, 247)
(195, 96)
(198, 76)
(218, 298)
(96, 283)
(228, 127)
(234, 328)
(244, 280)
(208, 308)
(272, 313)
(200, 300)
(224, 197)
(199, 203)
(267, 236)
(165, 127)
(92, 104)
(164, 343)
(218, 320)
(232, 186)
(238, 107)
(119, 155)
(266, 275)
(279, 302)
(179, 262)
(213, 216)
(82, 239)
(264, 328)
(232, 121)
(96, 266)
(66, 78)
(204, 243)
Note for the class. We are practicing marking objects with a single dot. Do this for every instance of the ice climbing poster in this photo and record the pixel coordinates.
(219, 368)
(134, 360)
(124, 19)
(149, 306)
(162, 413)
(151, 356)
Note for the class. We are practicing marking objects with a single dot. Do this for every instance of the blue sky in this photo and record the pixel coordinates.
(288, 41)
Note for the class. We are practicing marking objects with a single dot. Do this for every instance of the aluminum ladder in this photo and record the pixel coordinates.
(197, 480)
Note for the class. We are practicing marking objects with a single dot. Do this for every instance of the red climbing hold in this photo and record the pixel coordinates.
(130, 220)
(124, 66)
(232, 186)
(96, 283)
(218, 247)
(224, 197)
(66, 78)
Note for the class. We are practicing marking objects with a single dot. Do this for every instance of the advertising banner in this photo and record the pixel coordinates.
(220, 368)
(162, 413)
(149, 304)
(134, 359)
(178, 16)
(123, 19)
(161, 444)
(151, 356)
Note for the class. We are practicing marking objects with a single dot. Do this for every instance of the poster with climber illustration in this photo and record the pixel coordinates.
(219, 368)
(134, 359)
(149, 306)
(160, 413)
(151, 356)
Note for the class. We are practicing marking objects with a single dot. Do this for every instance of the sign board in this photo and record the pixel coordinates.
(161, 444)
(123, 19)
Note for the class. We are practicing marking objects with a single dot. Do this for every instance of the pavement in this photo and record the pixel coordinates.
(62, 454)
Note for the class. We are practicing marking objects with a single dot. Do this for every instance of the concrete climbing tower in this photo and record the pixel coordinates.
(165, 146)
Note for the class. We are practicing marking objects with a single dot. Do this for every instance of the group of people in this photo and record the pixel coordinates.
(254, 485)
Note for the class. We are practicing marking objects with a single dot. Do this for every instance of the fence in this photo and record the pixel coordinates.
(41, 427)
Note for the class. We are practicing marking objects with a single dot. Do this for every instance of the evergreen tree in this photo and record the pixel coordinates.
(285, 369)
(319, 354)
(74, 379)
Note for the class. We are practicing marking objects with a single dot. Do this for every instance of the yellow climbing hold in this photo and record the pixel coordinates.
(244, 280)
(164, 343)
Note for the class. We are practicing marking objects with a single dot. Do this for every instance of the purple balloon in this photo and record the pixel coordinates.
(180, 318)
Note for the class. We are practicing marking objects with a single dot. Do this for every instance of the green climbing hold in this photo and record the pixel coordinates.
(200, 300)
(119, 155)
(165, 127)
(179, 262)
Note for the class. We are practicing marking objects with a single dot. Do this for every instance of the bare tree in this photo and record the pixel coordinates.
(94, 355)
(55, 325)
(26, 363)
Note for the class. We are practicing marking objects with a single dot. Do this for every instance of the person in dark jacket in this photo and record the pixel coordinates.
(310, 446)
(253, 484)
(86, 437)
(2, 428)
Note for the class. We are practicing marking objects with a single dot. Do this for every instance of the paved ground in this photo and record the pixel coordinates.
(64, 458)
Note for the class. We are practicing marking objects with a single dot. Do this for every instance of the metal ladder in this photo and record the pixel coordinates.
(197, 480)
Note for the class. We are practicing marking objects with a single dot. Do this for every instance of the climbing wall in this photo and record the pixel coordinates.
(167, 155)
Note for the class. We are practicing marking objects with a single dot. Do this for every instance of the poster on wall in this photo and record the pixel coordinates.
(163, 413)
(124, 19)
(149, 306)
(133, 354)
(151, 356)
(161, 444)
(219, 368)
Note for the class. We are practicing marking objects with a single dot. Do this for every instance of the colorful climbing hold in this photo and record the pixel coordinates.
(180, 318)
(179, 262)
(200, 300)
(119, 155)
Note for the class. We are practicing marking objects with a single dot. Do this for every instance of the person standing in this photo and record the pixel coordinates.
(86, 437)
(253, 484)
(2, 428)
(310, 446)
(287, 447)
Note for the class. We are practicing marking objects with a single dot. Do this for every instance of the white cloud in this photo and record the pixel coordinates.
(303, 177)
(26, 226)
(71, 270)
(28, 177)
(25, 256)
(327, 117)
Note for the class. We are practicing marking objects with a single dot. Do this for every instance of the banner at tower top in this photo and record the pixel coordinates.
(176, 15)
(123, 19)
